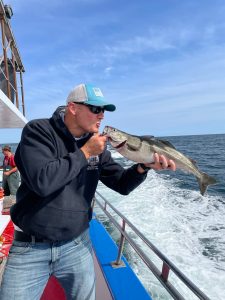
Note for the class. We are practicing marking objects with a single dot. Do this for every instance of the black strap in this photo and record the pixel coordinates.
(23, 237)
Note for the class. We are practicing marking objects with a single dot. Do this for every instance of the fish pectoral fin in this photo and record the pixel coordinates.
(132, 148)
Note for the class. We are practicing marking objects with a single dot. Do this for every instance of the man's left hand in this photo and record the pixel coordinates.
(161, 163)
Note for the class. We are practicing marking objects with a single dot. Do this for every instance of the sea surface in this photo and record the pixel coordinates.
(187, 227)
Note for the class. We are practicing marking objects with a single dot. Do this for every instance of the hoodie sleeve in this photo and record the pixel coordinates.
(42, 168)
(121, 180)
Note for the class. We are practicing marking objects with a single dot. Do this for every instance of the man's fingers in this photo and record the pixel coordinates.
(156, 158)
(172, 165)
(163, 161)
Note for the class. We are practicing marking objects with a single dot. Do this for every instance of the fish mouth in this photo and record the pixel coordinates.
(120, 145)
(117, 146)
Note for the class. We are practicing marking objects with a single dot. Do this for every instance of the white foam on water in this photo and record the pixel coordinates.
(187, 227)
(116, 155)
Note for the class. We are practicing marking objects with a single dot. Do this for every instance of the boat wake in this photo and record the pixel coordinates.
(187, 227)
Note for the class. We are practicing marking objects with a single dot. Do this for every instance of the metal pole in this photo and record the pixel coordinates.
(5, 58)
(165, 271)
(15, 78)
(122, 240)
(22, 92)
(119, 263)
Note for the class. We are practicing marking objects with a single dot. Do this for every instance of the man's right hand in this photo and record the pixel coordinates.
(94, 146)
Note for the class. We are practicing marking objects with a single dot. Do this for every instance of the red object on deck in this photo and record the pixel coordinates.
(1, 193)
(53, 290)
(7, 238)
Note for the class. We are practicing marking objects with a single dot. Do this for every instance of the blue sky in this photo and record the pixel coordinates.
(161, 62)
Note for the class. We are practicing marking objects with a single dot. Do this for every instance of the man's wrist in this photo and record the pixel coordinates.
(143, 168)
(86, 152)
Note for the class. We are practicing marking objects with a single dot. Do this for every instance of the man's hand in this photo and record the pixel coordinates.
(160, 163)
(94, 146)
(7, 173)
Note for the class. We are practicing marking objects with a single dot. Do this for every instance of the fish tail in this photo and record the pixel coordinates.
(204, 180)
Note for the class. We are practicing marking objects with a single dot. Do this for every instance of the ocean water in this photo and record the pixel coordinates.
(187, 227)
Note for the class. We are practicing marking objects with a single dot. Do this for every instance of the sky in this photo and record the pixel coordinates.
(161, 62)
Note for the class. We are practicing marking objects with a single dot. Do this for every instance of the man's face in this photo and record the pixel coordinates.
(87, 120)
(84, 119)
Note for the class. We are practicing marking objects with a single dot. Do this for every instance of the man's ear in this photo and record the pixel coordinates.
(72, 108)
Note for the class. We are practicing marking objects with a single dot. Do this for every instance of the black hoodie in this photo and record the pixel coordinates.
(58, 183)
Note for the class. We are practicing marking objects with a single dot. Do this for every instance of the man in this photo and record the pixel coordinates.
(61, 160)
(10, 182)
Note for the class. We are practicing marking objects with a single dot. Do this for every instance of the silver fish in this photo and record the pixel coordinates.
(141, 149)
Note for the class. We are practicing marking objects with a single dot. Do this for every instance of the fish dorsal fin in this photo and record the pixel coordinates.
(149, 138)
(167, 143)
(193, 161)
(146, 137)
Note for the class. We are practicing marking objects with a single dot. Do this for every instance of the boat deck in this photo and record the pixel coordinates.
(123, 282)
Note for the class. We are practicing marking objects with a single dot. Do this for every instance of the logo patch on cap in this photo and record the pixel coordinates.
(98, 92)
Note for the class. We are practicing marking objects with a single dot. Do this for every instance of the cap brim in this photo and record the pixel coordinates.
(107, 106)
(110, 107)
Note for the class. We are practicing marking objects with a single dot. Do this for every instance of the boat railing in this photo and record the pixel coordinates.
(167, 266)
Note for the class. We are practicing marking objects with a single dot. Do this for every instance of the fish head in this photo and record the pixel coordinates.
(117, 138)
(130, 146)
